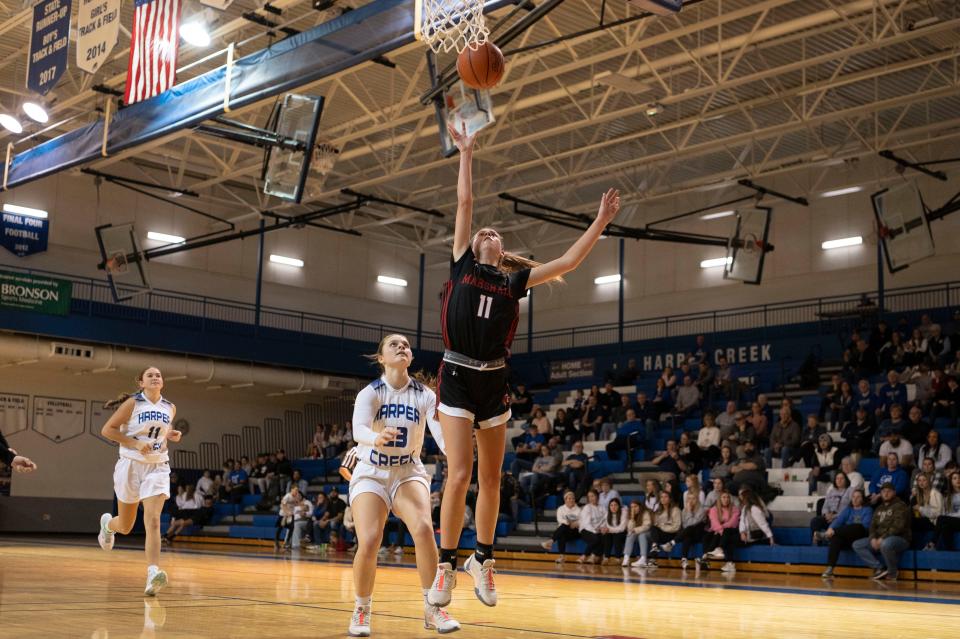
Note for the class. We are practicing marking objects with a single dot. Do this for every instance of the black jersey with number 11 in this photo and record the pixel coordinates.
(481, 307)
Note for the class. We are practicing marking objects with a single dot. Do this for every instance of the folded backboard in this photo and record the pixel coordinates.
(902, 225)
(745, 250)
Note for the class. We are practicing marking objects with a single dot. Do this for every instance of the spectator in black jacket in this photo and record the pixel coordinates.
(10, 457)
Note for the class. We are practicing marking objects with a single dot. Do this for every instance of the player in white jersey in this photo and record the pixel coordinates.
(389, 417)
(142, 426)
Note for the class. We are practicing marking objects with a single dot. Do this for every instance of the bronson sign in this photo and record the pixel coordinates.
(32, 293)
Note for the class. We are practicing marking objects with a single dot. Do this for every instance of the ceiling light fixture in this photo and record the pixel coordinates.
(717, 215)
(846, 191)
(164, 237)
(715, 262)
(607, 279)
(24, 210)
(286, 261)
(392, 281)
(35, 112)
(842, 242)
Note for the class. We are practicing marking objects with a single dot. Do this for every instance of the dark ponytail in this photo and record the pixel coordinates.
(122, 397)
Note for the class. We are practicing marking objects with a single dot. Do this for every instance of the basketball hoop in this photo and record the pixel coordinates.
(116, 264)
(324, 157)
(450, 25)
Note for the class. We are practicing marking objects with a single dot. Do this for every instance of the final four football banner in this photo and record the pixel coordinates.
(32, 293)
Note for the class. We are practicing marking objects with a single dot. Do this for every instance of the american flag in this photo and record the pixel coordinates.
(153, 49)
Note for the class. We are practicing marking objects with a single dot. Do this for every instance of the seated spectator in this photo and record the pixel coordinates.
(336, 510)
(321, 525)
(189, 505)
(936, 449)
(901, 447)
(669, 461)
(718, 487)
(760, 420)
(784, 439)
(940, 348)
(809, 437)
(705, 382)
(568, 526)
(651, 495)
(927, 504)
(749, 470)
(916, 429)
(539, 419)
(297, 480)
(592, 518)
(858, 434)
(916, 349)
(823, 462)
(851, 524)
(511, 501)
(948, 524)
(889, 534)
(841, 410)
(946, 403)
(754, 525)
(893, 392)
(238, 485)
(865, 398)
(666, 525)
(830, 397)
(727, 420)
(890, 473)
(628, 436)
(838, 498)
(312, 453)
(613, 532)
(895, 424)
(723, 529)
(922, 380)
(743, 433)
(592, 419)
(937, 477)
(521, 401)
(700, 352)
(579, 403)
(689, 452)
(618, 414)
(862, 360)
(722, 468)
(319, 440)
(646, 413)
(284, 469)
(708, 440)
(629, 375)
(544, 469)
(610, 398)
(639, 522)
(669, 378)
(574, 467)
(726, 381)
(205, 484)
(527, 447)
(291, 503)
(848, 466)
(693, 519)
(688, 399)
(564, 427)
(662, 400)
(606, 493)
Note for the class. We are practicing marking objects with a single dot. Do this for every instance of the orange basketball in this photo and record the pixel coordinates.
(481, 68)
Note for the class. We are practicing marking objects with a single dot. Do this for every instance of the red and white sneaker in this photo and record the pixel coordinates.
(482, 575)
(360, 622)
(441, 592)
(435, 617)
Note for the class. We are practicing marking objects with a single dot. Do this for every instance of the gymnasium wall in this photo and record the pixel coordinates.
(660, 279)
(75, 462)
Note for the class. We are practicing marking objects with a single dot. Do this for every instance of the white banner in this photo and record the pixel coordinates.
(59, 418)
(98, 25)
(13, 413)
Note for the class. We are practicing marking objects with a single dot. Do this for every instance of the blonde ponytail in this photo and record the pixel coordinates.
(512, 263)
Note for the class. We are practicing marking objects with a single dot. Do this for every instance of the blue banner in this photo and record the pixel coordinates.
(23, 235)
(49, 44)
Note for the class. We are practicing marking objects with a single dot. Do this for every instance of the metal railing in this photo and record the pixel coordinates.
(204, 313)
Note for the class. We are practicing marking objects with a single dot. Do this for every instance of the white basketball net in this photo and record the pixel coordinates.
(451, 25)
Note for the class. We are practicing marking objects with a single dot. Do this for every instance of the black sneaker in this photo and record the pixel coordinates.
(879, 573)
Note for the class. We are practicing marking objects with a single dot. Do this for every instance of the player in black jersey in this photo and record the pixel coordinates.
(481, 307)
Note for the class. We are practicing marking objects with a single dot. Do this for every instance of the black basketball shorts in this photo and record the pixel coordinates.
(480, 396)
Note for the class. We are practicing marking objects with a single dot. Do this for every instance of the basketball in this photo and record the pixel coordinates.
(481, 68)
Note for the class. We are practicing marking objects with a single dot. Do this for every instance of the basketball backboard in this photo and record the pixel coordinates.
(745, 250)
(123, 261)
(464, 109)
(903, 225)
(285, 167)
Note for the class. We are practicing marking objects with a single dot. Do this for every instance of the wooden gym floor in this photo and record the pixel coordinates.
(70, 588)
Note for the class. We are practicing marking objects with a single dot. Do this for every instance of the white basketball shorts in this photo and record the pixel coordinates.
(384, 481)
(134, 481)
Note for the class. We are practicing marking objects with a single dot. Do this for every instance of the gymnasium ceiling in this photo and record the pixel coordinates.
(746, 88)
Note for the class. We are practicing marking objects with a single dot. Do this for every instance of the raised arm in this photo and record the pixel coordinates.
(609, 207)
(464, 221)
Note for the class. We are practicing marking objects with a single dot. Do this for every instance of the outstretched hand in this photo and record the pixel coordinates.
(463, 141)
(609, 206)
(22, 464)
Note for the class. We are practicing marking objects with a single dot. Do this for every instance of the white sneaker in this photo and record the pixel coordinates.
(626, 560)
(383, 551)
(441, 592)
(483, 585)
(684, 563)
(728, 567)
(438, 618)
(156, 580)
(398, 550)
(106, 536)
(716, 553)
(640, 563)
(668, 547)
(360, 622)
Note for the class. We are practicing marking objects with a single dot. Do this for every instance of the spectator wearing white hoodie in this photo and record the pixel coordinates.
(568, 525)
(613, 532)
(639, 521)
(591, 520)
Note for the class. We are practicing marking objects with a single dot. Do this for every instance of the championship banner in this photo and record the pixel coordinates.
(13, 413)
(98, 26)
(59, 418)
(47, 58)
(563, 370)
(22, 234)
(31, 293)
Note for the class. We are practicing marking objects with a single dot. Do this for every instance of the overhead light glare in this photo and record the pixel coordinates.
(842, 242)
(717, 215)
(165, 237)
(286, 261)
(35, 112)
(715, 262)
(607, 279)
(392, 281)
(24, 210)
(846, 191)
(10, 123)
(195, 33)
(653, 109)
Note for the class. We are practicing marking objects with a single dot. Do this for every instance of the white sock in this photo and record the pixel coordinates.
(426, 591)
(364, 601)
(152, 569)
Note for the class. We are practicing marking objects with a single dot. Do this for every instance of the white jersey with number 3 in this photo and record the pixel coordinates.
(410, 410)
(149, 422)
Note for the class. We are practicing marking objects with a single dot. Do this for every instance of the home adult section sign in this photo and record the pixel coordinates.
(49, 44)
(32, 293)
(98, 25)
